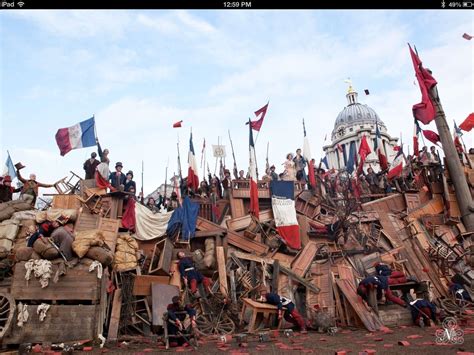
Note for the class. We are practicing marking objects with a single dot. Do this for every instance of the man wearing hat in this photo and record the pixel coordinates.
(290, 313)
(130, 185)
(273, 174)
(90, 165)
(117, 178)
(6, 190)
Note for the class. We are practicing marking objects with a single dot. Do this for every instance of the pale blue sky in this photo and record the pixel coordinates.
(140, 71)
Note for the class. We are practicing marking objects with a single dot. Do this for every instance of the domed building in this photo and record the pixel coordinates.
(353, 122)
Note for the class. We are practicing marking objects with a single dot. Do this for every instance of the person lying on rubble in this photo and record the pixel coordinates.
(380, 284)
(459, 292)
(422, 312)
(191, 276)
(29, 192)
(286, 308)
(394, 277)
(45, 229)
(7, 190)
(177, 314)
(63, 237)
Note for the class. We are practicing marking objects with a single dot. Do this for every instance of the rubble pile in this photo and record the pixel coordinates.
(116, 284)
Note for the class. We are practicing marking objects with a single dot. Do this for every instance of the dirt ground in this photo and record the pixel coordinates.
(357, 341)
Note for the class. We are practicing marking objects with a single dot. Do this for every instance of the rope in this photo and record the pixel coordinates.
(96, 264)
(41, 269)
(23, 314)
(41, 311)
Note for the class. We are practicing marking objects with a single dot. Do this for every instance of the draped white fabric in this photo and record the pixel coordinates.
(149, 225)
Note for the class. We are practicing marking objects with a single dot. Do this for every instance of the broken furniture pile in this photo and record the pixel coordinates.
(413, 232)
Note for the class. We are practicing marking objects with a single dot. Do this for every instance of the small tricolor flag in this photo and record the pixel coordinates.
(397, 165)
(81, 135)
(9, 167)
(193, 179)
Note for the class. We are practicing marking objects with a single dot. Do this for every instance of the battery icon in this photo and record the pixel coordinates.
(467, 4)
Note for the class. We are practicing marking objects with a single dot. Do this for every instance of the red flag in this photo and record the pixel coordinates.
(256, 125)
(254, 207)
(424, 111)
(466, 36)
(364, 149)
(177, 124)
(312, 178)
(468, 123)
(431, 136)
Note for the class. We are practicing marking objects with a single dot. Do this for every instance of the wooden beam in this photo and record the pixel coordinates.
(221, 266)
(115, 316)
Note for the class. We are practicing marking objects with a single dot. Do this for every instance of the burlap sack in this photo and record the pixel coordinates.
(45, 249)
(23, 254)
(101, 254)
(210, 254)
(126, 251)
(86, 239)
(6, 212)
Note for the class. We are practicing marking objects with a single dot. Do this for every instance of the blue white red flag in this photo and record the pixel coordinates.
(284, 212)
(193, 179)
(81, 135)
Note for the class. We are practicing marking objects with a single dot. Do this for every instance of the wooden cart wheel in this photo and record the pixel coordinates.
(7, 312)
(209, 325)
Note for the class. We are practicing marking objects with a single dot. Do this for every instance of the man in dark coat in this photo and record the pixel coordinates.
(422, 312)
(290, 313)
(117, 178)
(129, 183)
(6, 190)
(90, 165)
(191, 276)
(380, 283)
(177, 313)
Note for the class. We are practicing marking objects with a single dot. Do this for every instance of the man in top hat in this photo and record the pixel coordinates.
(90, 165)
(117, 178)
(6, 189)
(130, 185)
(290, 312)
(29, 192)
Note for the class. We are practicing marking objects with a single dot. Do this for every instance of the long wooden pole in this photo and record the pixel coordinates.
(456, 171)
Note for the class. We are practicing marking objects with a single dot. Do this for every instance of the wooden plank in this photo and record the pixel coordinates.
(62, 324)
(320, 278)
(109, 228)
(65, 202)
(249, 245)
(161, 296)
(238, 224)
(412, 200)
(175, 275)
(164, 261)
(142, 284)
(221, 267)
(237, 207)
(77, 284)
(115, 316)
(366, 315)
(205, 225)
(304, 228)
(434, 206)
(303, 260)
(346, 273)
(86, 221)
(393, 203)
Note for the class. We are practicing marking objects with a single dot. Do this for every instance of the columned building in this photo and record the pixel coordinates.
(353, 122)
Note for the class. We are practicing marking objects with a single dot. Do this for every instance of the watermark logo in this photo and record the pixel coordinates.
(451, 332)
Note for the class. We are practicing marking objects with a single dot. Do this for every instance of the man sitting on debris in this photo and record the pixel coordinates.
(422, 312)
(177, 314)
(380, 283)
(290, 313)
(191, 276)
(459, 292)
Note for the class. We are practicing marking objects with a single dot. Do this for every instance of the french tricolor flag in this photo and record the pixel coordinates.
(254, 207)
(78, 136)
(284, 212)
(193, 179)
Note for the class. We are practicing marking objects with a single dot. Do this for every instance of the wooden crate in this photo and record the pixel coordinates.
(69, 201)
(77, 285)
(62, 324)
(142, 284)
(109, 228)
(86, 221)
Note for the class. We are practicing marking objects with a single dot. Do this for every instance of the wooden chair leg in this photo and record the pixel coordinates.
(252, 321)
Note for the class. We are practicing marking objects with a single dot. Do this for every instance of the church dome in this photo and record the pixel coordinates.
(356, 113)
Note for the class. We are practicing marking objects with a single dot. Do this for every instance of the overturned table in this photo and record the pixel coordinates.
(258, 308)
